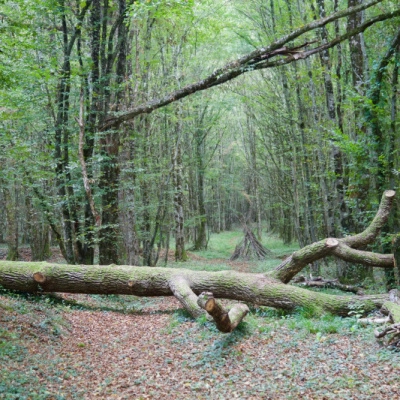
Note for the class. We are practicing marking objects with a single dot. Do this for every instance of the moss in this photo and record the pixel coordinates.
(394, 310)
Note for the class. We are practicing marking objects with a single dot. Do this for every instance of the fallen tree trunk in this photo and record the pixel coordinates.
(184, 284)
(269, 289)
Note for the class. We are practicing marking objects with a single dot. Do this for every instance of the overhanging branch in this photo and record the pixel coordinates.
(244, 64)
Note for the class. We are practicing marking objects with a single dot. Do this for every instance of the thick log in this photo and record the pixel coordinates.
(150, 281)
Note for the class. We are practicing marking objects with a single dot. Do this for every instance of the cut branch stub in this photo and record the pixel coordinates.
(225, 321)
(39, 277)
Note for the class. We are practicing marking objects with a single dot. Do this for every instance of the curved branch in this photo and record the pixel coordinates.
(369, 258)
(369, 234)
(301, 258)
(341, 248)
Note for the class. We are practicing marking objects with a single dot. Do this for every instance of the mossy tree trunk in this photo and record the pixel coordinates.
(269, 289)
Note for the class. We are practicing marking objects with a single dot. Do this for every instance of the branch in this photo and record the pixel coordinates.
(369, 234)
(181, 289)
(301, 258)
(341, 248)
(334, 42)
(333, 283)
(225, 321)
(239, 66)
(369, 258)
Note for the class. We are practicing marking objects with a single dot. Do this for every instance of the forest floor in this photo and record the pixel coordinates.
(123, 347)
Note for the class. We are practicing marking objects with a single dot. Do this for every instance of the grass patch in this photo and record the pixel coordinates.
(221, 245)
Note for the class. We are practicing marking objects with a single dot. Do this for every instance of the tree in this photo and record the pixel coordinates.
(191, 287)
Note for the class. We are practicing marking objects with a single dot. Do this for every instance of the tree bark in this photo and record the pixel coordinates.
(180, 252)
(155, 281)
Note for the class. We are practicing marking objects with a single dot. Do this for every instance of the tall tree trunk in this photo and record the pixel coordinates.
(127, 214)
(11, 203)
(180, 252)
(61, 141)
(110, 231)
(201, 228)
(38, 232)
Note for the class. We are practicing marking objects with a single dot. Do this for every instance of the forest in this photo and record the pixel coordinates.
(229, 165)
